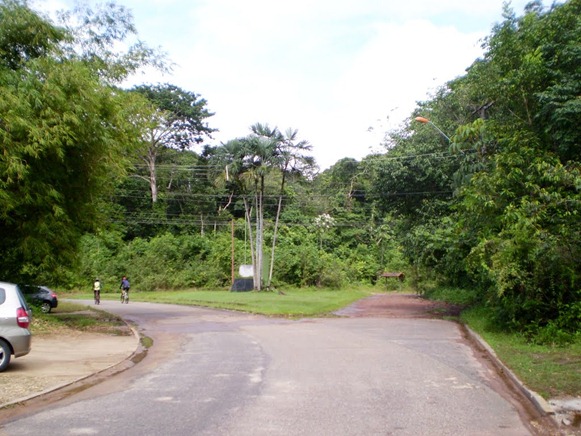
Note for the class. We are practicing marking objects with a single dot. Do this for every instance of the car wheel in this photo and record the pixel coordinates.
(45, 307)
(4, 355)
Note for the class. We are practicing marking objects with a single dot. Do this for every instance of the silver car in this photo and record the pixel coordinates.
(15, 317)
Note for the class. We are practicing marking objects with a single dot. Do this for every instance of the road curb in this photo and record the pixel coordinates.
(538, 402)
(115, 368)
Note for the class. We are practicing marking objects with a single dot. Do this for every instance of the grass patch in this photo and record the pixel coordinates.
(291, 303)
(550, 370)
(457, 296)
(146, 342)
(75, 316)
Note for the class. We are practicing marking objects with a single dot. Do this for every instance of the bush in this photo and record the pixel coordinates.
(551, 334)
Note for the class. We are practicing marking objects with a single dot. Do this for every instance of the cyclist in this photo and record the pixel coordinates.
(125, 290)
(97, 291)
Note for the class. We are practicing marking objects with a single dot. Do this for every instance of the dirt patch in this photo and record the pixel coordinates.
(396, 305)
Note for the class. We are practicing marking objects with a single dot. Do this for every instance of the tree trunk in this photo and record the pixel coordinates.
(271, 269)
(259, 236)
(248, 213)
(150, 162)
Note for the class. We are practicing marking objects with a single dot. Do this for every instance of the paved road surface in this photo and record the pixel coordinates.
(223, 373)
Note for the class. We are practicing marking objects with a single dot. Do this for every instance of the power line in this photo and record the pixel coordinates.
(227, 223)
(356, 194)
(221, 168)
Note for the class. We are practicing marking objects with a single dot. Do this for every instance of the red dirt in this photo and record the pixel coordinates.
(395, 305)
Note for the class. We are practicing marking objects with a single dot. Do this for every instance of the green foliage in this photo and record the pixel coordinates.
(529, 248)
(184, 115)
(488, 200)
(169, 260)
(412, 174)
(166, 261)
(25, 35)
(553, 335)
(460, 296)
(362, 265)
(63, 136)
(512, 231)
(298, 260)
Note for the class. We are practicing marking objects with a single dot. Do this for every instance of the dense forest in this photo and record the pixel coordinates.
(479, 190)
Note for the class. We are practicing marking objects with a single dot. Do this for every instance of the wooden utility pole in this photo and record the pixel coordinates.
(232, 226)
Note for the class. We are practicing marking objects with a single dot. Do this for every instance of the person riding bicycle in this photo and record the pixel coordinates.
(97, 291)
(125, 288)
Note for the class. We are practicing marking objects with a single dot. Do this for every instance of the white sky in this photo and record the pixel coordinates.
(342, 72)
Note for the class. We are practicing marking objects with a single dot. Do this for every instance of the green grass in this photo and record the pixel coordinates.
(291, 303)
(76, 316)
(550, 370)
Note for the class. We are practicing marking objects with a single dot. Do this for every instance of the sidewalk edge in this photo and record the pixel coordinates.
(116, 368)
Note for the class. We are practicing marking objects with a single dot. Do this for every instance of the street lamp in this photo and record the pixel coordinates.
(426, 121)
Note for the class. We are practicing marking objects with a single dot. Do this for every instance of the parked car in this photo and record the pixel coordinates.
(15, 317)
(40, 296)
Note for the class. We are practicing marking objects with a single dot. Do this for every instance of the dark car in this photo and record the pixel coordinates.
(40, 296)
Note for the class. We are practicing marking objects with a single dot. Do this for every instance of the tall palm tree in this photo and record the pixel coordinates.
(248, 161)
(290, 159)
(263, 146)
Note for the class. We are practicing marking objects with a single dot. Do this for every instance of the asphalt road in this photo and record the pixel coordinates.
(223, 373)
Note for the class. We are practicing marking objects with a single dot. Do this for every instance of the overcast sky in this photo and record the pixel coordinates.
(342, 72)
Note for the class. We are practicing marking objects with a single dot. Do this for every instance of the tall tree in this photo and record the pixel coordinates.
(509, 219)
(526, 251)
(261, 154)
(176, 120)
(291, 160)
(248, 162)
(63, 135)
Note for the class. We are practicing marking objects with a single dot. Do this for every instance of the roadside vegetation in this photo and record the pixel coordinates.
(550, 368)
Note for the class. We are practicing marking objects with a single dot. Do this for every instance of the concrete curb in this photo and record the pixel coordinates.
(539, 402)
(116, 368)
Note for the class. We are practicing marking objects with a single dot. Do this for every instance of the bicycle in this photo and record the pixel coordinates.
(97, 297)
(125, 296)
